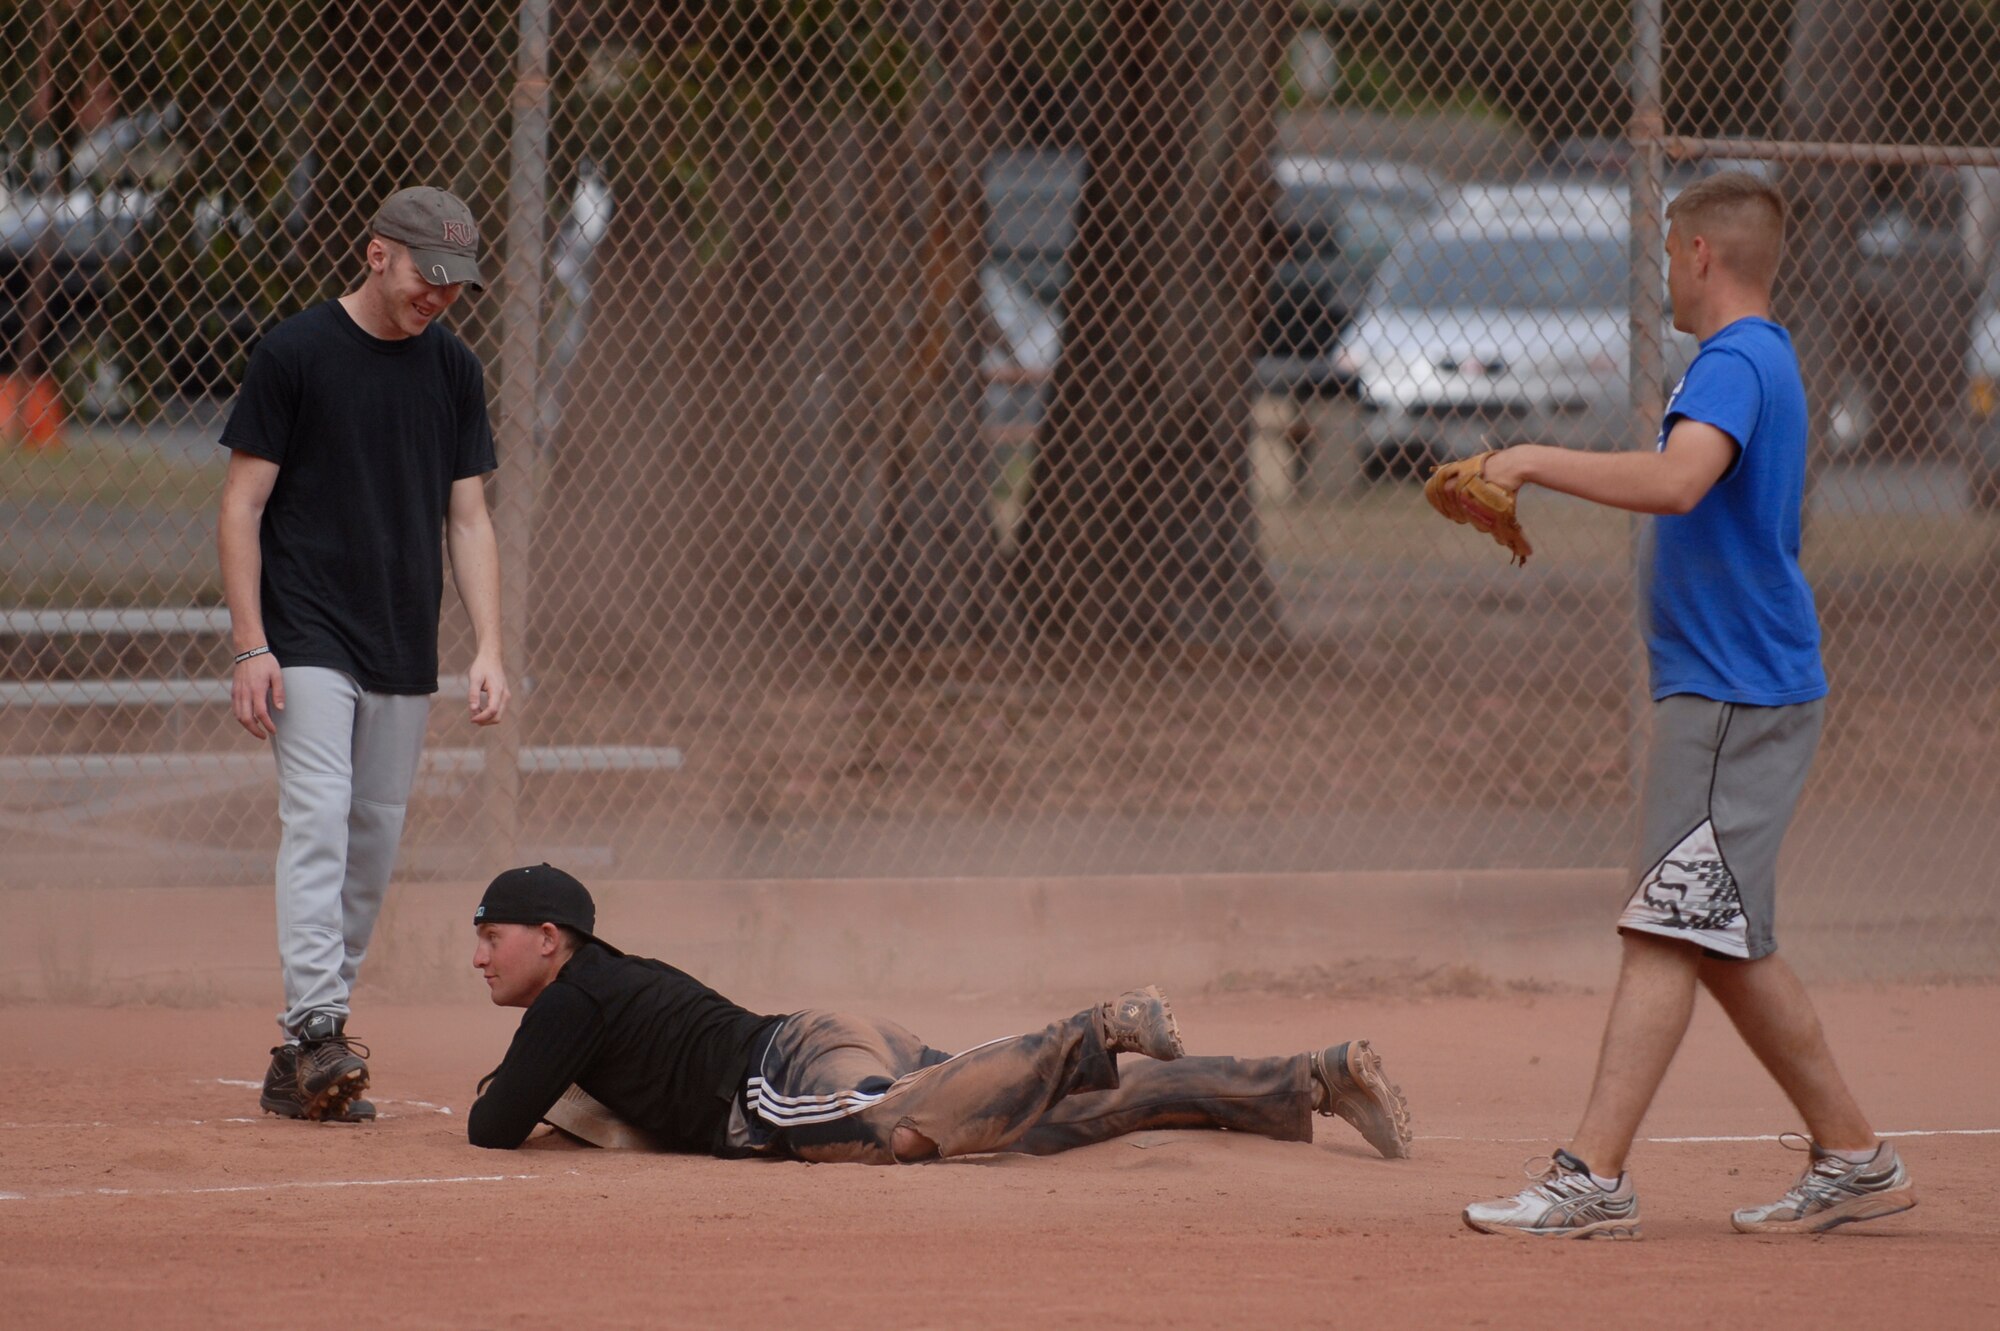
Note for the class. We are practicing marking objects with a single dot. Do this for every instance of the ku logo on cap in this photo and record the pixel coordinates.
(457, 233)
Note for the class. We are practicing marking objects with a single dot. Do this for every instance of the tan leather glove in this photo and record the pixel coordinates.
(1461, 492)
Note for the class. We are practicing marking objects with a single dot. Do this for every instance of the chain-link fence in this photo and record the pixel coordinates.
(975, 438)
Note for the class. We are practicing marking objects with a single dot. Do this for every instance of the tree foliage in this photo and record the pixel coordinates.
(1560, 67)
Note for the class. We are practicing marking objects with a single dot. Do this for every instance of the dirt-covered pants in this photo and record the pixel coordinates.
(832, 1086)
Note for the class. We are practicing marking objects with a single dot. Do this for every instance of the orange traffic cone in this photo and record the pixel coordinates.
(41, 417)
(10, 410)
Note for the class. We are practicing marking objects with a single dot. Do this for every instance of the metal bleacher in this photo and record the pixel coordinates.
(65, 793)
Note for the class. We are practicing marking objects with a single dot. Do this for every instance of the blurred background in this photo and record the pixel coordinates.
(977, 439)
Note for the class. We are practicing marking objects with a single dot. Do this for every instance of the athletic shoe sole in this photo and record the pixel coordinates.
(354, 1111)
(1598, 1229)
(1868, 1206)
(1173, 1048)
(330, 1101)
(1385, 1119)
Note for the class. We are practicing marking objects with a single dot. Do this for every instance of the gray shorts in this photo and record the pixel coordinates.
(1721, 784)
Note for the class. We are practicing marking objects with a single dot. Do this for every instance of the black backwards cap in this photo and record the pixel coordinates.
(540, 894)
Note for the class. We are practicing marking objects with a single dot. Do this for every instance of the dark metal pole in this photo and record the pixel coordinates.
(1685, 147)
(520, 454)
(1647, 354)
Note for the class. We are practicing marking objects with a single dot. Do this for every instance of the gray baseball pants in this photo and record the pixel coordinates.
(346, 761)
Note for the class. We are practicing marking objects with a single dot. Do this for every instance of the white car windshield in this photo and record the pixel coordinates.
(1509, 272)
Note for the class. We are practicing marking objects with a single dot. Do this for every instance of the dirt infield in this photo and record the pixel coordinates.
(137, 1182)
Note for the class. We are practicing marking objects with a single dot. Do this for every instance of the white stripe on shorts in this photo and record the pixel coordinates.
(791, 1111)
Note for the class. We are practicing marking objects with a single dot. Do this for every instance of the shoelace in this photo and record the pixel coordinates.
(1821, 1182)
(1553, 1181)
(349, 1043)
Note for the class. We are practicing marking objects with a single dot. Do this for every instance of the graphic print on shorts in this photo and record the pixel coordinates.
(1691, 894)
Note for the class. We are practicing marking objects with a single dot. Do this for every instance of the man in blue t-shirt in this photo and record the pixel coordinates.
(1738, 694)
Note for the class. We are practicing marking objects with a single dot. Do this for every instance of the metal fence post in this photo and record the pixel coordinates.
(520, 357)
(1647, 364)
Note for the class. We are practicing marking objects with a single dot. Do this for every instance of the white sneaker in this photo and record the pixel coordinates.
(1832, 1192)
(1564, 1203)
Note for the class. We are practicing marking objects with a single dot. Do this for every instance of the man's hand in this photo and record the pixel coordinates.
(486, 691)
(256, 689)
(1466, 492)
(1504, 468)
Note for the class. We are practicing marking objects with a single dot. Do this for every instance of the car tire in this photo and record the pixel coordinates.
(1986, 490)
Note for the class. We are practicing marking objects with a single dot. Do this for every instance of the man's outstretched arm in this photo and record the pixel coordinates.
(1672, 480)
(558, 1035)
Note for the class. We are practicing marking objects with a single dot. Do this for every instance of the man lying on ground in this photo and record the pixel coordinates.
(654, 1055)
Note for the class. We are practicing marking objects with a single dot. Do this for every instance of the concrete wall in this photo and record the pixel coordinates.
(811, 942)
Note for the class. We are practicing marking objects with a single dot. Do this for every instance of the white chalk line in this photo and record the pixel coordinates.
(515, 1178)
(1704, 1141)
(173, 1122)
(151, 1123)
(425, 1105)
(258, 1086)
(262, 1187)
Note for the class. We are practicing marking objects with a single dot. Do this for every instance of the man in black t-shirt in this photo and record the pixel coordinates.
(357, 442)
(625, 1050)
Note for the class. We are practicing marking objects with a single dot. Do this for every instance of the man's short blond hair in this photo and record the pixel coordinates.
(1741, 216)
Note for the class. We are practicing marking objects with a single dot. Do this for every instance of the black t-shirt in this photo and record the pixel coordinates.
(368, 436)
(654, 1045)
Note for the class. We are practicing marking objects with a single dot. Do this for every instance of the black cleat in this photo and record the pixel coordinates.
(281, 1094)
(333, 1070)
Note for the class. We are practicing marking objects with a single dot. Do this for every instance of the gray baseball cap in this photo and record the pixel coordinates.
(438, 228)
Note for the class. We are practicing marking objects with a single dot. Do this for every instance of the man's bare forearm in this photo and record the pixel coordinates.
(475, 570)
(242, 571)
(1670, 481)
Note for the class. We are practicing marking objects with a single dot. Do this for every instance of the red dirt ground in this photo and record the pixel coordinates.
(138, 1185)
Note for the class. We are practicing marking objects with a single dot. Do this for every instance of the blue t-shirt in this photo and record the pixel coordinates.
(1730, 615)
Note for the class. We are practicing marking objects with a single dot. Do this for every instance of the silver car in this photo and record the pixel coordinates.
(1503, 320)
(1334, 218)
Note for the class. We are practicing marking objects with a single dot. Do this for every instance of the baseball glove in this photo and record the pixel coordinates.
(1461, 492)
(581, 1115)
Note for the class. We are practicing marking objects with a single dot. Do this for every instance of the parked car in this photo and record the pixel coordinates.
(1017, 365)
(1983, 473)
(1503, 319)
(1337, 218)
(1982, 362)
(1918, 232)
(93, 236)
(85, 235)
(1983, 371)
